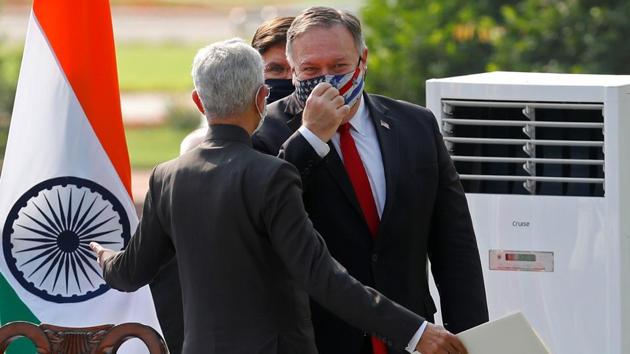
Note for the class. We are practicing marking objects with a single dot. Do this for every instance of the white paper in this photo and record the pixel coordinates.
(511, 334)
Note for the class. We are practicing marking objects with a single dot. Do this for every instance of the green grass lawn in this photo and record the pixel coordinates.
(163, 66)
(143, 67)
(147, 146)
(150, 146)
(155, 66)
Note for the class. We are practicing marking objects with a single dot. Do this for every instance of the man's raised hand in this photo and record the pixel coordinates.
(324, 111)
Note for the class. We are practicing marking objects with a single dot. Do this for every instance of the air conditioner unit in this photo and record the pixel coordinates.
(545, 163)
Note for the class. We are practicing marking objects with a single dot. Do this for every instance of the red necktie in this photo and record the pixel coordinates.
(363, 191)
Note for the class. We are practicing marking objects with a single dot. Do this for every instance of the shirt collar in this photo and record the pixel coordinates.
(361, 119)
(227, 132)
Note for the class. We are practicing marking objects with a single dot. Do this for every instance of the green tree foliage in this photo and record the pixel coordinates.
(411, 41)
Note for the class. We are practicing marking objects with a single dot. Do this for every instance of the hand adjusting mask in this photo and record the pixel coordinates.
(350, 85)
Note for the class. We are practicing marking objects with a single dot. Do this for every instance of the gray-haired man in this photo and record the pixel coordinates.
(247, 252)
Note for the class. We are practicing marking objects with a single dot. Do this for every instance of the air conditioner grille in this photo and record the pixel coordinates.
(542, 148)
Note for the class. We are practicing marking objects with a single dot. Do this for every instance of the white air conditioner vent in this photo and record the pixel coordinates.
(545, 159)
(541, 148)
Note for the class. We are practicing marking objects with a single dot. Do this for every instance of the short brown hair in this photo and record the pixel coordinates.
(271, 33)
(321, 16)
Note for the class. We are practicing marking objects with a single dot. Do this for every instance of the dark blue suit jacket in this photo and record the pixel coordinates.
(425, 215)
(247, 254)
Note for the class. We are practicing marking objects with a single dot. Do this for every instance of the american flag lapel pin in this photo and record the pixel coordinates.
(385, 125)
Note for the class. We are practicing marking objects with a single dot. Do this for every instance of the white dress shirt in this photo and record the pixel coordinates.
(364, 134)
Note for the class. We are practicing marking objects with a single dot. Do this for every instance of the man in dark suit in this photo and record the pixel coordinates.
(380, 187)
(269, 40)
(247, 252)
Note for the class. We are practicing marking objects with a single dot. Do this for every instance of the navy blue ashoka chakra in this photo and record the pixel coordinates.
(47, 234)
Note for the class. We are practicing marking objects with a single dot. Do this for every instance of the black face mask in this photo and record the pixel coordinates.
(279, 88)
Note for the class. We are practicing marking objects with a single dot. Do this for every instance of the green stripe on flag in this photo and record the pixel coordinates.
(13, 309)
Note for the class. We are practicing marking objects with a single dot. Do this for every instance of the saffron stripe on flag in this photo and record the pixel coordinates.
(80, 34)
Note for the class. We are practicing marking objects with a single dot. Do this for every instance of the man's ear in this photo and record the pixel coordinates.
(197, 100)
(364, 57)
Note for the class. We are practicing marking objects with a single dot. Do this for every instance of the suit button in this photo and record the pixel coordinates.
(374, 257)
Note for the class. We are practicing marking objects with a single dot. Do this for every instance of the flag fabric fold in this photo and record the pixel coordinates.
(66, 178)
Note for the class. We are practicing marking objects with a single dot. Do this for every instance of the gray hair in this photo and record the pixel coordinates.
(327, 17)
(227, 76)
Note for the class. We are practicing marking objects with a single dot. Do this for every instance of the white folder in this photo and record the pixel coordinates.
(510, 334)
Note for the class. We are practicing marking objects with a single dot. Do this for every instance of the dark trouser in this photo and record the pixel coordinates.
(167, 297)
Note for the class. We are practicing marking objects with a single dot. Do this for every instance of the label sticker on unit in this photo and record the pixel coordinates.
(529, 261)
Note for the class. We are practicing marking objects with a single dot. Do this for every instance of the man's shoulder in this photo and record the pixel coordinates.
(400, 106)
(259, 165)
(162, 172)
(414, 117)
(165, 167)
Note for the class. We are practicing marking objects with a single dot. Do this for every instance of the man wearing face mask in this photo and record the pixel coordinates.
(378, 184)
(270, 41)
(248, 255)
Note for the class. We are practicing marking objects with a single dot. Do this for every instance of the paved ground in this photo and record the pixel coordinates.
(144, 108)
(139, 187)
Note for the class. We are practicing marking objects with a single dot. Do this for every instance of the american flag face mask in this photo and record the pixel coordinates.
(350, 85)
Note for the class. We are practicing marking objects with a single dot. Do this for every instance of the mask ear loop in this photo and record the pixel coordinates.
(266, 97)
(266, 87)
(268, 91)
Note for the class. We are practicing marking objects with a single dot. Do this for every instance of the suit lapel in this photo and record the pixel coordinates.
(294, 113)
(332, 160)
(386, 131)
(295, 121)
(338, 171)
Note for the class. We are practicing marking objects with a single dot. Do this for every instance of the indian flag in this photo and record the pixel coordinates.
(66, 179)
